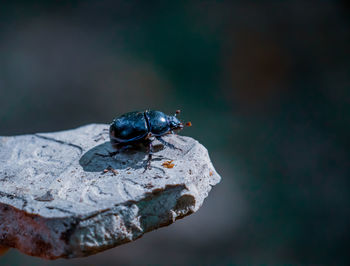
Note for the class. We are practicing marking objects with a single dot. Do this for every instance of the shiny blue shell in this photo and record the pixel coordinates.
(157, 122)
(135, 126)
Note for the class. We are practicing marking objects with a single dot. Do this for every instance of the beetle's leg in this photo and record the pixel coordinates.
(149, 136)
(101, 135)
(171, 146)
(149, 158)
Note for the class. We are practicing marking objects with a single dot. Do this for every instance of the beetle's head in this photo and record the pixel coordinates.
(174, 123)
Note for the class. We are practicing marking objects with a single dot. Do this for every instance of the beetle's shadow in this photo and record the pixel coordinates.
(97, 159)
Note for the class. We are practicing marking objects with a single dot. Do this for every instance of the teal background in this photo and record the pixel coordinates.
(265, 85)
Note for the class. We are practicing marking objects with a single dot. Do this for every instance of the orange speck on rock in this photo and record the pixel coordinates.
(168, 164)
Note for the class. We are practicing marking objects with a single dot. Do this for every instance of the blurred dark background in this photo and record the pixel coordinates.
(265, 84)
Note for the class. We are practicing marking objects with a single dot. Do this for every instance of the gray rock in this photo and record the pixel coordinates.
(58, 198)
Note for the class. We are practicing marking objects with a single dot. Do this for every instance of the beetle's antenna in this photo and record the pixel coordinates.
(177, 112)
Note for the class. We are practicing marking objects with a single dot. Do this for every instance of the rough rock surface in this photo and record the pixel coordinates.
(58, 200)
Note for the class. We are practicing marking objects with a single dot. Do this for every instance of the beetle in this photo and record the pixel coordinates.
(137, 127)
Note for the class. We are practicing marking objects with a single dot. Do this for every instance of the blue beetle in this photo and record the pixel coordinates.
(141, 127)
